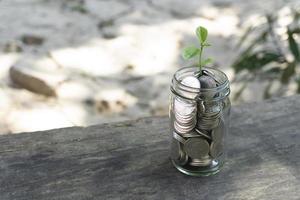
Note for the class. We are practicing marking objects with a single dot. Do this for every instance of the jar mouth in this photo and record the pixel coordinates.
(223, 79)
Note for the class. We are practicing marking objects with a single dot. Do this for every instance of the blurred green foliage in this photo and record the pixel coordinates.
(269, 55)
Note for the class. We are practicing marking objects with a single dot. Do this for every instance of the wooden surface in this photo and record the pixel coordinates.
(129, 160)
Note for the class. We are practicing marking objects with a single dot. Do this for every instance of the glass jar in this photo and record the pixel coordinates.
(199, 120)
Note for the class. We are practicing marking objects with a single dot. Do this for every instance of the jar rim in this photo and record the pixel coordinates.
(221, 86)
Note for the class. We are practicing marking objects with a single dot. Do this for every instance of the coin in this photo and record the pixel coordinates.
(226, 106)
(211, 75)
(203, 133)
(185, 115)
(177, 154)
(191, 81)
(205, 161)
(207, 81)
(184, 120)
(213, 109)
(183, 129)
(178, 137)
(196, 147)
(206, 108)
(192, 134)
(218, 132)
(216, 149)
(184, 107)
(207, 124)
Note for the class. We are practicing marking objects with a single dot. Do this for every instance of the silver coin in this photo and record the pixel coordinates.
(207, 124)
(178, 137)
(191, 134)
(207, 82)
(209, 110)
(186, 120)
(196, 147)
(177, 154)
(185, 115)
(226, 106)
(210, 74)
(183, 107)
(218, 132)
(213, 112)
(203, 133)
(191, 81)
(205, 161)
(200, 107)
(175, 151)
(183, 129)
(186, 123)
(216, 149)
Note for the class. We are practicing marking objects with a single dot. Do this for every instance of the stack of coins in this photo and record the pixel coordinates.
(208, 115)
(199, 148)
(185, 115)
(198, 129)
(185, 110)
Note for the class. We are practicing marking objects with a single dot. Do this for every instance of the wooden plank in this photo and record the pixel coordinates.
(129, 160)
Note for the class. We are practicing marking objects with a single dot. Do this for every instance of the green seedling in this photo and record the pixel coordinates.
(192, 51)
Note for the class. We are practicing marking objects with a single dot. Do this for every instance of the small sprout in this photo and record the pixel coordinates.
(192, 51)
(201, 33)
(206, 61)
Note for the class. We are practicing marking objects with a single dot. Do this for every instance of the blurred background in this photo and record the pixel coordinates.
(82, 62)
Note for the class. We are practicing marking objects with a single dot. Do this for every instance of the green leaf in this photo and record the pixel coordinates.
(293, 46)
(201, 33)
(189, 52)
(255, 61)
(288, 72)
(206, 61)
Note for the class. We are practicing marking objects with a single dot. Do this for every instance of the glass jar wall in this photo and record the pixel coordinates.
(199, 119)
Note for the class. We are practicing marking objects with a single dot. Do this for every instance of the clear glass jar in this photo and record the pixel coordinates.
(199, 120)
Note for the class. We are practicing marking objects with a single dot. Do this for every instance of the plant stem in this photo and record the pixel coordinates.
(200, 57)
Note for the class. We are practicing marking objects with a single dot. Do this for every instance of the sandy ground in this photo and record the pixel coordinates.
(104, 61)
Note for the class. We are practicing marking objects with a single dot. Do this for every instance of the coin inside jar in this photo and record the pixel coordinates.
(206, 123)
(183, 129)
(196, 108)
(203, 133)
(184, 107)
(185, 115)
(205, 161)
(178, 137)
(177, 154)
(217, 133)
(216, 149)
(211, 75)
(191, 81)
(207, 82)
(196, 148)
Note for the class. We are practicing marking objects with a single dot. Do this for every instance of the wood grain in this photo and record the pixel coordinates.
(129, 160)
